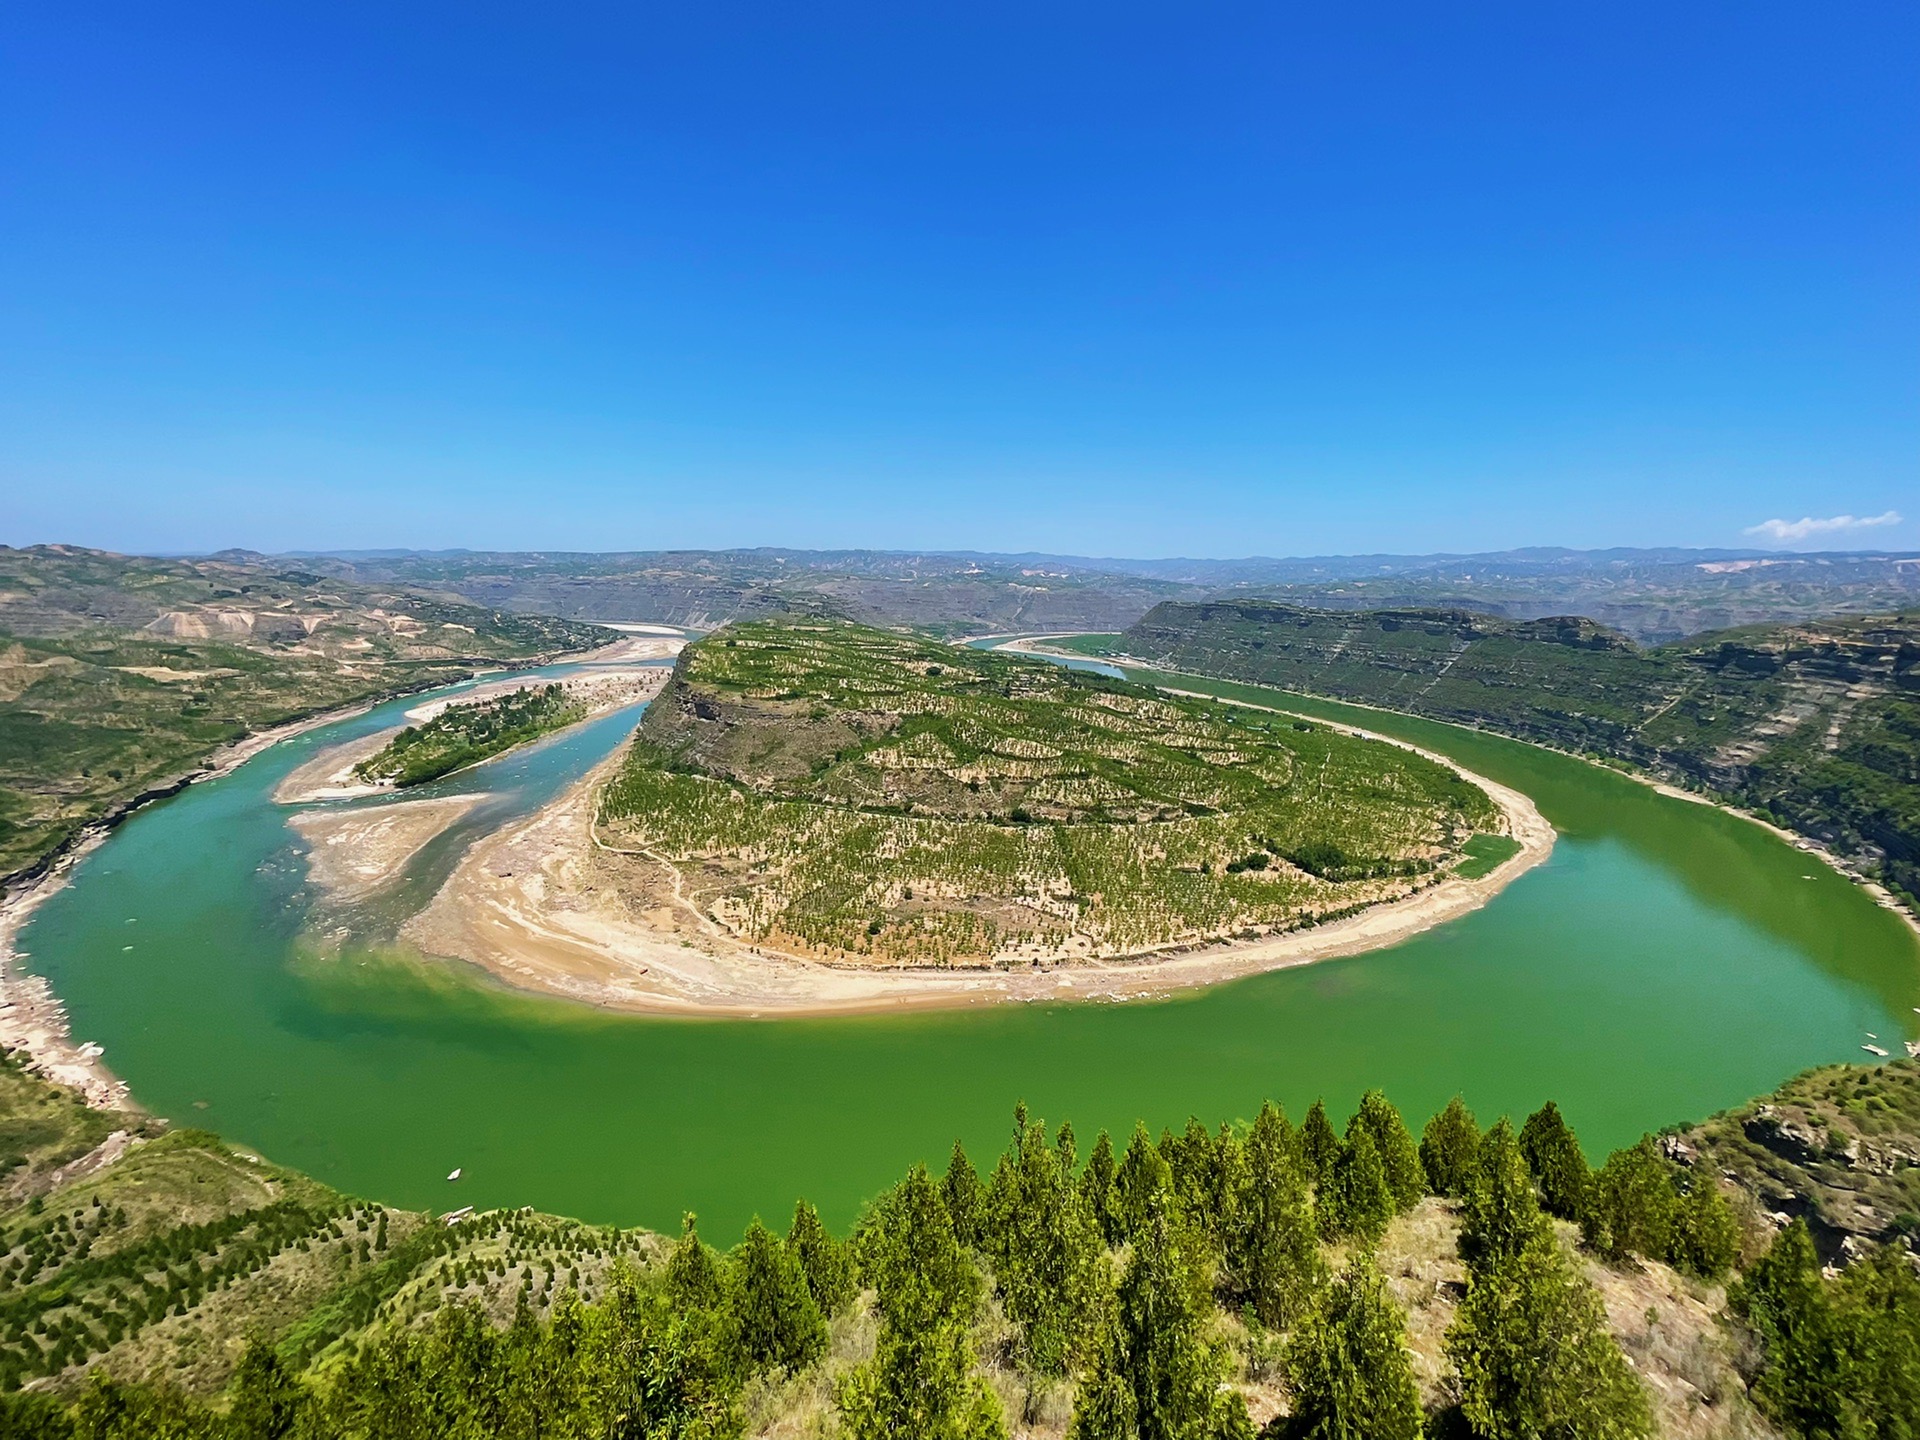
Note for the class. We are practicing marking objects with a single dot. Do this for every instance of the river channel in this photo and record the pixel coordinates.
(1667, 961)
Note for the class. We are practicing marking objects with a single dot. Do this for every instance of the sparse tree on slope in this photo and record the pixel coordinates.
(920, 1382)
(1450, 1150)
(694, 1279)
(1046, 1250)
(777, 1321)
(1358, 1201)
(826, 1262)
(962, 1190)
(1097, 1184)
(267, 1398)
(1502, 1215)
(1399, 1156)
(1318, 1143)
(1706, 1235)
(1161, 1350)
(1274, 1253)
(1142, 1175)
(1556, 1160)
(1532, 1356)
(1348, 1364)
(1630, 1204)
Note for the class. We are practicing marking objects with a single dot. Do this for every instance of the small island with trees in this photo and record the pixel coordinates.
(465, 734)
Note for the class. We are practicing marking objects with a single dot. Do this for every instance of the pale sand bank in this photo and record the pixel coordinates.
(351, 852)
(537, 905)
(329, 774)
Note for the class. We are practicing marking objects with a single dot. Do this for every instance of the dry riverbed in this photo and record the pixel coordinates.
(354, 851)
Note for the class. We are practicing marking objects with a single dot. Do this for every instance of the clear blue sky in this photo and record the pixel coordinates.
(1107, 279)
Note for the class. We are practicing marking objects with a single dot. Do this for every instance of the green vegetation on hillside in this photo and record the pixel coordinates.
(1815, 725)
(1211, 1283)
(849, 790)
(465, 734)
(120, 676)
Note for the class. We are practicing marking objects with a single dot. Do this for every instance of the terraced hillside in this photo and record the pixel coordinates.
(120, 675)
(849, 793)
(1816, 724)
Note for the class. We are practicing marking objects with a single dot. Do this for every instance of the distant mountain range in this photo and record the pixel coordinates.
(1654, 595)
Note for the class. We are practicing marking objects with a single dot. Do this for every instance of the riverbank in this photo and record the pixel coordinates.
(545, 905)
(1037, 645)
(33, 1020)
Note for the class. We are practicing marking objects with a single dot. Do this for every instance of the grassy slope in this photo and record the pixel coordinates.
(859, 791)
(1818, 725)
(118, 676)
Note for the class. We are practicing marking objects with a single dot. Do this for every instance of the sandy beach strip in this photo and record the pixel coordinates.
(353, 851)
(537, 905)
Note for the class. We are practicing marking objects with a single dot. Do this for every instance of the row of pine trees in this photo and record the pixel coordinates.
(1111, 1274)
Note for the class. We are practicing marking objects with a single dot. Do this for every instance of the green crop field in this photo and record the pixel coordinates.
(849, 792)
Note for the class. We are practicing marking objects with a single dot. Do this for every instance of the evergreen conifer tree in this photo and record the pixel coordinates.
(962, 1191)
(694, 1280)
(1532, 1355)
(1631, 1205)
(1097, 1184)
(1349, 1367)
(1450, 1150)
(1357, 1202)
(1559, 1165)
(267, 1398)
(1318, 1143)
(1502, 1215)
(1141, 1176)
(920, 1381)
(1067, 1151)
(825, 1261)
(1161, 1350)
(1706, 1236)
(1274, 1255)
(1103, 1404)
(776, 1319)
(1046, 1250)
(1399, 1156)
(1803, 1381)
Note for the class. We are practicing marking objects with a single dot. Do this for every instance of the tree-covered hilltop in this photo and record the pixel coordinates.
(119, 675)
(1264, 1277)
(1816, 725)
(849, 792)
(466, 733)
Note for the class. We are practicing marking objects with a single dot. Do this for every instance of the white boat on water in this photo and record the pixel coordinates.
(456, 1173)
(1875, 1049)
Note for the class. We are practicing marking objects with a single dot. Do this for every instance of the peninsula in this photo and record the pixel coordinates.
(816, 815)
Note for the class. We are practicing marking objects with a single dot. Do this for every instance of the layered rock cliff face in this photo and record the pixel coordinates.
(1816, 724)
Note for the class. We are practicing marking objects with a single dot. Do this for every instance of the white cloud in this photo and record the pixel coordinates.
(1785, 532)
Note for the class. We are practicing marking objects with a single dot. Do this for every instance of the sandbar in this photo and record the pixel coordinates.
(354, 850)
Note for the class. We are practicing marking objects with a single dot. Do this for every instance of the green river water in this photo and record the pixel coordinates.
(1667, 961)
